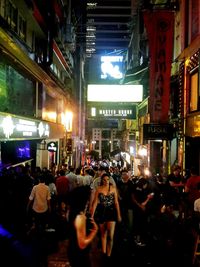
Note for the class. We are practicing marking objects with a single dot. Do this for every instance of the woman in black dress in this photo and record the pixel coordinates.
(106, 206)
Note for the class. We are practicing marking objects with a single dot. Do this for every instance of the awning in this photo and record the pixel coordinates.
(136, 74)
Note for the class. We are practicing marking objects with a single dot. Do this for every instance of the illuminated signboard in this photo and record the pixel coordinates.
(124, 111)
(15, 127)
(111, 67)
(114, 93)
(52, 146)
(161, 131)
(193, 126)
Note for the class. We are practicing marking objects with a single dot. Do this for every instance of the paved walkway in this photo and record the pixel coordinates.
(126, 254)
(59, 258)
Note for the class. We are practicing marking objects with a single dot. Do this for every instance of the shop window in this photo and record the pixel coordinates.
(12, 98)
(194, 95)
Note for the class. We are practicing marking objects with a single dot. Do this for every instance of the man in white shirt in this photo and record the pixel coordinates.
(40, 200)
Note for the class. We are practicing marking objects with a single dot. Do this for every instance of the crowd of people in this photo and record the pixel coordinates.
(93, 201)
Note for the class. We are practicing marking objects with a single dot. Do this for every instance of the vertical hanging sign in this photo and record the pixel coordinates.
(160, 30)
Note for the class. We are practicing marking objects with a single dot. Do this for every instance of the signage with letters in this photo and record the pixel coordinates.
(160, 29)
(14, 127)
(154, 131)
(112, 111)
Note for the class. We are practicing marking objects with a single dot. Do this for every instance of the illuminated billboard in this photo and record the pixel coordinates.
(111, 67)
(13, 127)
(114, 93)
(106, 69)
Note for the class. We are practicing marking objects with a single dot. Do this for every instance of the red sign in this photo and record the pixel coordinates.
(160, 29)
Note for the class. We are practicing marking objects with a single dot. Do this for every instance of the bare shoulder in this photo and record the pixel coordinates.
(100, 188)
(80, 220)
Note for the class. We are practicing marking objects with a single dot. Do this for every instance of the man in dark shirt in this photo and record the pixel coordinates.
(174, 187)
(125, 188)
(141, 197)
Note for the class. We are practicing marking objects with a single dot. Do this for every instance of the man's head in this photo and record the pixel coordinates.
(125, 175)
(103, 169)
(176, 170)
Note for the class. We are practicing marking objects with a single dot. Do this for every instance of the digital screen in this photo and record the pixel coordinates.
(111, 67)
(13, 152)
(106, 69)
(23, 151)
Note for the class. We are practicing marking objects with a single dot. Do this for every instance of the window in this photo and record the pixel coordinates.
(97, 145)
(11, 16)
(194, 92)
(115, 144)
(194, 18)
(22, 28)
(106, 134)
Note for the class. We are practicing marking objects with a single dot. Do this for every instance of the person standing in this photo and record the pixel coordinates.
(106, 205)
(191, 189)
(71, 176)
(141, 196)
(82, 233)
(125, 188)
(174, 188)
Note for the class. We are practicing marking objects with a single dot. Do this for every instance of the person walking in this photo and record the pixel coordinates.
(106, 211)
(40, 200)
(62, 187)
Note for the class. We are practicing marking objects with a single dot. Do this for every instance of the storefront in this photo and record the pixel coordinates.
(25, 140)
(192, 142)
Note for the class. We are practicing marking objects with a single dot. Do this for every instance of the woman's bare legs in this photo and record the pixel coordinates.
(107, 230)
(103, 234)
(110, 237)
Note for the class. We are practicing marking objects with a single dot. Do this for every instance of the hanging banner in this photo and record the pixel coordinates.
(160, 30)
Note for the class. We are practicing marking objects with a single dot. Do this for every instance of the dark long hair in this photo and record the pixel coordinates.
(78, 200)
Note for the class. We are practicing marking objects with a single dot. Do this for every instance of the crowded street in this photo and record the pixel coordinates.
(99, 133)
(170, 235)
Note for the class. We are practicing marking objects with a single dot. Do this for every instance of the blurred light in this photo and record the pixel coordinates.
(93, 112)
(68, 121)
(142, 151)
(131, 149)
(49, 116)
(146, 172)
(187, 62)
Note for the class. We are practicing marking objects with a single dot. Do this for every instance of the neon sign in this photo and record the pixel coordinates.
(13, 127)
